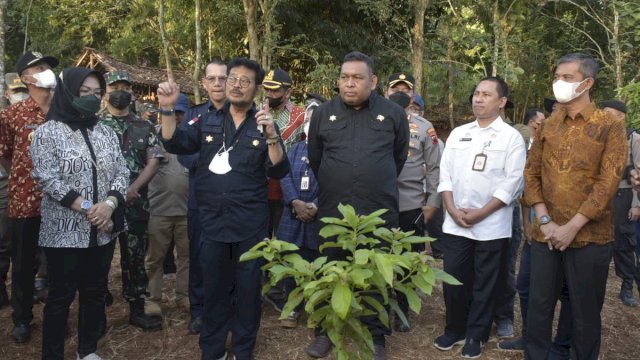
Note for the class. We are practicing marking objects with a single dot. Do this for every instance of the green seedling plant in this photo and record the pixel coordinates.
(337, 293)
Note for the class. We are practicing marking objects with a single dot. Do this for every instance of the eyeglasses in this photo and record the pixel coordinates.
(244, 82)
(87, 91)
(215, 79)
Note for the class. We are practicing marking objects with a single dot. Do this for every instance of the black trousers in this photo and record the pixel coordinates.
(276, 207)
(586, 270)
(407, 224)
(24, 235)
(225, 310)
(470, 306)
(5, 248)
(624, 256)
(506, 295)
(196, 289)
(434, 229)
(85, 271)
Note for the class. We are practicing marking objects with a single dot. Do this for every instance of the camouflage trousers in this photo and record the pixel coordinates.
(133, 247)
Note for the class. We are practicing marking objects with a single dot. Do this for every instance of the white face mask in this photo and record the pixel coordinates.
(45, 79)
(17, 97)
(566, 91)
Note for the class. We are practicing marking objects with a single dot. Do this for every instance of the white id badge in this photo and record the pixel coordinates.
(304, 183)
(220, 162)
(479, 162)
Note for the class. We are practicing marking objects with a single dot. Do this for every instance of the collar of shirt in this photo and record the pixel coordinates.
(225, 109)
(369, 103)
(496, 124)
(584, 114)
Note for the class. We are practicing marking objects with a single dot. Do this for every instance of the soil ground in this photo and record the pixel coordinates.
(620, 332)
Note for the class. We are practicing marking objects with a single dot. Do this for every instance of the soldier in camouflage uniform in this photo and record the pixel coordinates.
(142, 152)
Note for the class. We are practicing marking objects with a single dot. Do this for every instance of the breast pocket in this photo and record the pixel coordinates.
(460, 154)
(253, 145)
(211, 135)
(334, 134)
(496, 158)
(382, 134)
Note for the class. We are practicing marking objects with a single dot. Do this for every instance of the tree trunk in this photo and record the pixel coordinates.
(3, 7)
(418, 43)
(198, 64)
(452, 121)
(251, 16)
(616, 47)
(496, 39)
(165, 42)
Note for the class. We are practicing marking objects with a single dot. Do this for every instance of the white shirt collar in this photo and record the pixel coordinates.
(496, 124)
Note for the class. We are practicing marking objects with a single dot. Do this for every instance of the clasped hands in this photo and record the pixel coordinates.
(100, 215)
(558, 237)
(305, 212)
(466, 217)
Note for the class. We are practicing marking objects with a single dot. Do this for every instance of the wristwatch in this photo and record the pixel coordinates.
(167, 112)
(544, 220)
(110, 203)
(85, 206)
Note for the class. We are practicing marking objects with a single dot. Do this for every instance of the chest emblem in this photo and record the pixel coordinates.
(209, 138)
(380, 118)
(332, 118)
(255, 142)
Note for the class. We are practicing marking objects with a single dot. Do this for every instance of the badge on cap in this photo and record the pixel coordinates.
(402, 77)
(37, 54)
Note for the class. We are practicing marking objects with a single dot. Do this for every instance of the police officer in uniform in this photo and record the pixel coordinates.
(358, 143)
(142, 153)
(418, 181)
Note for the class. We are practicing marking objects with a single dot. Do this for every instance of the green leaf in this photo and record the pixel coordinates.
(415, 303)
(334, 221)
(317, 316)
(415, 240)
(421, 284)
(329, 244)
(383, 315)
(429, 276)
(287, 246)
(341, 300)
(385, 267)
(378, 281)
(250, 255)
(333, 230)
(294, 299)
(361, 256)
(399, 313)
(359, 276)
(446, 278)
(349, 214)
(315, 298)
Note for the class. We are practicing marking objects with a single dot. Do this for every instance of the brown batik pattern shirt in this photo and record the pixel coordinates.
(17, 123)
(575, 167)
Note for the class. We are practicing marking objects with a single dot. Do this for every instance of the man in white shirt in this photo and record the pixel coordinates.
(481, 174)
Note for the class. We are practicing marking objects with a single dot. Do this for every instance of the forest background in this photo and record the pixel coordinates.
(447, 44)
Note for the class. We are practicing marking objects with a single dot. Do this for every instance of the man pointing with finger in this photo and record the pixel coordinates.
(239, 148)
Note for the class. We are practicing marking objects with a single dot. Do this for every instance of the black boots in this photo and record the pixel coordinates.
(138, 318)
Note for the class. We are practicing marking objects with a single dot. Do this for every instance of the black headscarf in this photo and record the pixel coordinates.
(67, 87)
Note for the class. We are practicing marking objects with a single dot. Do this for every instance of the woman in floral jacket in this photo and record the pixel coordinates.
(80, 169)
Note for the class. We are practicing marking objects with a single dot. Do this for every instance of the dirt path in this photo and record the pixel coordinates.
(621, 333)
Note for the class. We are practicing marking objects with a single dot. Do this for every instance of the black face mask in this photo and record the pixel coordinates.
(275, 102)
(120, 99)
(87, 105)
